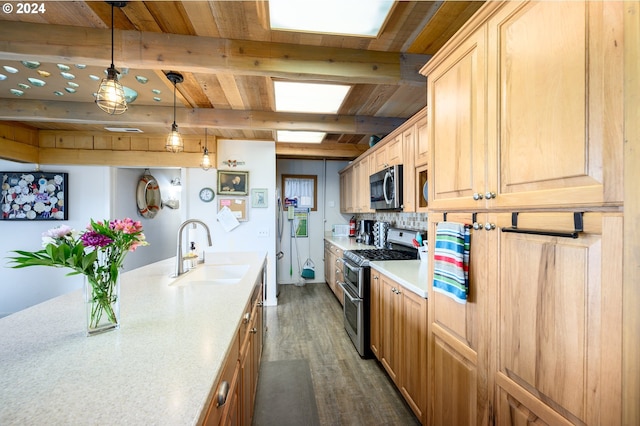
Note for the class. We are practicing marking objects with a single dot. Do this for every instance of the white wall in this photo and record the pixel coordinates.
(259, 161)
(320, 221)
(89, 197)
(95, 192)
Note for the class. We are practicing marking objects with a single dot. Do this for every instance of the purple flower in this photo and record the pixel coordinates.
(94, 239)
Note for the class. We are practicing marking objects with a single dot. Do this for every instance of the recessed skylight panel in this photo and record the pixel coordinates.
(300, 136)
(309, 97)
(346, 17)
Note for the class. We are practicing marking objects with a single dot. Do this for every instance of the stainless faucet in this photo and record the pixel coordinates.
(179, 260)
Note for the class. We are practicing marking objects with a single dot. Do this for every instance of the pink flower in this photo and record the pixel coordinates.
(93, 239)
(127, 226)
(59, 232)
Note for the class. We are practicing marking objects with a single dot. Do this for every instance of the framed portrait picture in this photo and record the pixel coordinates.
(34, 196)
(233, 182)
(259, 197)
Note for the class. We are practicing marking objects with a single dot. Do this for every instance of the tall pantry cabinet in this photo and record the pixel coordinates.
(526, 146)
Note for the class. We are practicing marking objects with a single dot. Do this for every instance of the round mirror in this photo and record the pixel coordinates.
(148, 196)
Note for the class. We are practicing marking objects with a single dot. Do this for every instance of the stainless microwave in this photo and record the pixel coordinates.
(385, 189)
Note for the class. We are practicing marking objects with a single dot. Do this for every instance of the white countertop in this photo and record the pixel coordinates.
(159, 368)
(412, 274)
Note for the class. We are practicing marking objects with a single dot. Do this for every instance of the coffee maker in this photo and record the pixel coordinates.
(364, 233)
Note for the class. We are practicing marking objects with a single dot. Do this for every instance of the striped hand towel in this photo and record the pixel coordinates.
(451, 260)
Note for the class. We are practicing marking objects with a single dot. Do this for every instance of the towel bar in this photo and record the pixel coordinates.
(577, 224)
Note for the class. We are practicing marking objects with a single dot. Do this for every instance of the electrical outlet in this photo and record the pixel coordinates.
(264, 232)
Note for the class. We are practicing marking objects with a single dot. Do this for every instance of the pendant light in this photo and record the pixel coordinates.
(110, 96)
(206, 161)
(174, 140)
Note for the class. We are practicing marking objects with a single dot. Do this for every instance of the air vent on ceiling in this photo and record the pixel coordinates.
(124, 129)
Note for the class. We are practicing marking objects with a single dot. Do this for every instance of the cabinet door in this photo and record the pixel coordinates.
(361, 188)
(395, 151)
(422, 142)
(380, 158)
(555, 104)
(408, 171)
(414, 353)
(558, 320)
(391, 307)
(346, 191)
(375, 313)
(456, 90)
(459, 358)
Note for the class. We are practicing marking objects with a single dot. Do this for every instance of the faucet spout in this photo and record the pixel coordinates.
(179, 262)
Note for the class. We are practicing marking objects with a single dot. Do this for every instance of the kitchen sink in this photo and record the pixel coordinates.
(211, 274)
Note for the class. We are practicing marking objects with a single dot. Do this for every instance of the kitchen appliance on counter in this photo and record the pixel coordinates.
(356, 284)
(385, 188)
(365, 231)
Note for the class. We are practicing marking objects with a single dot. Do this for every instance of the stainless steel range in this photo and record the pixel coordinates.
(356, 286)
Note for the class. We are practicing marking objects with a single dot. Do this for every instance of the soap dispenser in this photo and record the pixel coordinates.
(193, 256)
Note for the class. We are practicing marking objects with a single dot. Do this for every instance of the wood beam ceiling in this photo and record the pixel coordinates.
(185, 53)
(25, 110)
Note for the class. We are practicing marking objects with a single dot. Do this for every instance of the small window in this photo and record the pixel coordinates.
(300, 191)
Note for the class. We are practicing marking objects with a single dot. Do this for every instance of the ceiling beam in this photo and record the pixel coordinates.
(185, 53)
(26, 110)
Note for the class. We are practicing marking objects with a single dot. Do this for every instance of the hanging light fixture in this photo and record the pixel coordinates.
(174, 140)
(110, 96)
(206, 161)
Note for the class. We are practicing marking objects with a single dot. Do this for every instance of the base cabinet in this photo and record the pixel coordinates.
(235, 391)
(399, 338)
(539, 340)
(333, 269)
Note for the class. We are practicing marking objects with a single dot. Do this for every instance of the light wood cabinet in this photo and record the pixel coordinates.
(346, 191)
(553, 117)
(234, 393)
(408, 170)
(399, 338)
(333, 269)
(540, 336)
(422, 140)
(250, 355)
(558, 320)
(460, 338)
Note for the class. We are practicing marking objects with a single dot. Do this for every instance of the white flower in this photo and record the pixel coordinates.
(39, 207)
(22, 183)
(31, 214)
(26, 208)
(28, 178)
(58, 179)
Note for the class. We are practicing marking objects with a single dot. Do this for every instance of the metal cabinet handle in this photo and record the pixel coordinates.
(477, 196)
(222, 394)
(375, 277)
(246, 318)
(477, 226)
(253, 330)
(489, 226)
(489, 195)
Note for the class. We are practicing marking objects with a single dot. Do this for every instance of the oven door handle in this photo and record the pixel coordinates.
(349, 293)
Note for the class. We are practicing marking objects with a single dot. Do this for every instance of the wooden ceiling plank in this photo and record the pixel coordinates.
(201, 17)
(231, 91)
(140, 17)
(147, 50)
(445, 22)
(25, 110)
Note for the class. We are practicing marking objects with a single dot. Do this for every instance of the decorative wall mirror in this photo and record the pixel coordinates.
(148, 196)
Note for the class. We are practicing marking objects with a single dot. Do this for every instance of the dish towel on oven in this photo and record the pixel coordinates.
(451, 260)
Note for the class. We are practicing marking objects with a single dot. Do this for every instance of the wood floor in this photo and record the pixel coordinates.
(307, 324)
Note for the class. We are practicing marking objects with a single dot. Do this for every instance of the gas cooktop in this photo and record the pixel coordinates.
(362, 257)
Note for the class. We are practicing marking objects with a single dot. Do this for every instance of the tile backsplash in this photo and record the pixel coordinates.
(417, 221)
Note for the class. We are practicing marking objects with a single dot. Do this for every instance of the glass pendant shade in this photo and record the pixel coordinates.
(110, 97)
(174, 140)
(206, 161)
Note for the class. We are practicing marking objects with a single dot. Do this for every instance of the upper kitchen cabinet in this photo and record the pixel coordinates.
(550, 75)
(457, 142)
(422, 140)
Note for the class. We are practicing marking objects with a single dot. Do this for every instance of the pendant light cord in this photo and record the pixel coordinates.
(112, 7)
(174, 104)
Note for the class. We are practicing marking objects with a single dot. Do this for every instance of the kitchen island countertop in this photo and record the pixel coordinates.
(158, 368)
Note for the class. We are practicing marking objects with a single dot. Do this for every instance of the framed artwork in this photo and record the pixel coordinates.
(233, 182)
(259, 197)
(34, 196)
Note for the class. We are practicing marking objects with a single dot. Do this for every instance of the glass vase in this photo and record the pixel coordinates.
(102, 300)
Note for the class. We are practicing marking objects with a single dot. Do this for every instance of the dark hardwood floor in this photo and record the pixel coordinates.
(307, 324)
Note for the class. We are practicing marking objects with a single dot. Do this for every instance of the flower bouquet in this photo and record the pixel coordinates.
(97, 253)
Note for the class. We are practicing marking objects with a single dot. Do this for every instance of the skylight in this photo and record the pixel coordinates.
(346, 17)
(309, 97)
(300, 136)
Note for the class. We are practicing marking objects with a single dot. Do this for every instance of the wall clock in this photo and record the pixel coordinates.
(207, 194)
